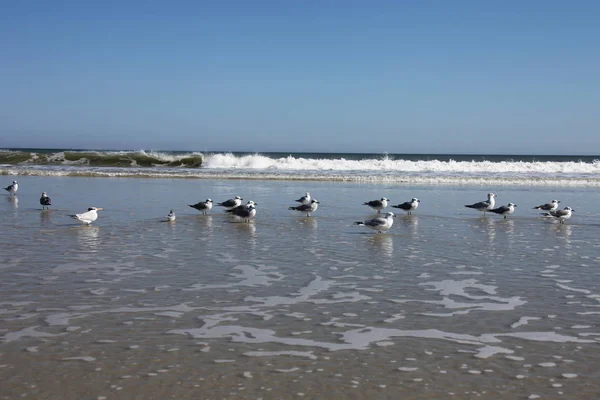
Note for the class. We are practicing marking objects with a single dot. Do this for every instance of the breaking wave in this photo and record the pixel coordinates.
(425, 169)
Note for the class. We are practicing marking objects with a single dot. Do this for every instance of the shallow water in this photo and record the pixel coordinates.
(448, 304)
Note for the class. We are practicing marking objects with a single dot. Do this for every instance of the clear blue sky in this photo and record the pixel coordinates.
(517, 77)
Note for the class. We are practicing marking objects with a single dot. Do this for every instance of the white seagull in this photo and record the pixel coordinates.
(380, 223)
(204, 206)
(561, 215)
(552, 206)
(307, 208)
(231, 203)
(305, 199)
(245, 212)
(377, 204)
(87, 217)
(45, 201)
(504, 210)
(171, 216)
(484, 206)
(409, 206)
(12, 189)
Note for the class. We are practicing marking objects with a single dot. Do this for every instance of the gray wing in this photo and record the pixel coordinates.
(559, 213)
(404, 206)
(500, 210)
(374, 203)
(228, 203)
(545, 207)
(481, 204)
(376, 222)
(303, 207)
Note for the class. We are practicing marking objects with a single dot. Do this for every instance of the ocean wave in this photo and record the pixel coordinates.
(431, 178)
(529, 170)
(140, 158)
(388, 164)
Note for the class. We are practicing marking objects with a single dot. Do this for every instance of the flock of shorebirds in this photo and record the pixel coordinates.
(309, 205)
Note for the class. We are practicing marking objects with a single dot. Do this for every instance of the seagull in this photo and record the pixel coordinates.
(247, 212)
(231, 203)
(307, 208)
(505, 210)
(45, 201)
(409, 206)
(484, 206)
(380, 223)
(171, 216)
(377, 204)
(203, 206)
(552, 206)
(561, 215)
(87, 217)
(12, 189)
(305, 199)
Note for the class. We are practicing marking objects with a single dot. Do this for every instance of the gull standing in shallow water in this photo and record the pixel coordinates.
(204, 206)
(307, 208)
(45, 201)
(561, 215)
(171, 216)
(380, 223)
(409, 206)
(552, 206)
(305, 199)
(505, 210)
(245, 212)
(231, 203)
(377, 204)
(12, 189)
(87, 217)
(484, 206)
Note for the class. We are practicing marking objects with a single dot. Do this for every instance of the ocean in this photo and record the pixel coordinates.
(448, 304)
(377, 168)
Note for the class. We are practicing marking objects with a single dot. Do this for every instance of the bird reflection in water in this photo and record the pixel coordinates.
(563, 231)
(14, 200)
(384, 246)
(45, 218)
(88, 237)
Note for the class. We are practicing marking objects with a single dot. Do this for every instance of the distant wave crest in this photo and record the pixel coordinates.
(331, 167)
(138, 158)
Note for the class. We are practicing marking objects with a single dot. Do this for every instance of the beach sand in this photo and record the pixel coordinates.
(448, 304)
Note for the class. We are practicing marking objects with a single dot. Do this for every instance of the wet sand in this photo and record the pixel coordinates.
(448, 304)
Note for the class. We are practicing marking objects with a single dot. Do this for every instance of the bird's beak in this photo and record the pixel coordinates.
(514, 205)
(572, 209)
(99, 208)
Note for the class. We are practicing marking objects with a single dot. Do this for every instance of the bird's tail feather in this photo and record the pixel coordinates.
(292, 208)
(359, 223)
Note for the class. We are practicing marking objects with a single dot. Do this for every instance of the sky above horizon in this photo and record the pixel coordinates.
(336, 76)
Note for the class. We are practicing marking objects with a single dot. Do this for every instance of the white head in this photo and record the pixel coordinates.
(14, 182)
(238, 198)
(385, 199)
(415, 200)
(568, 209)
(208, 201)
(390, 215)
(43, 194)
(95, 209)
(251, 203)
(512, 205)
(491, 195)
(555, 202)
(307, 194)
(314, 201)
